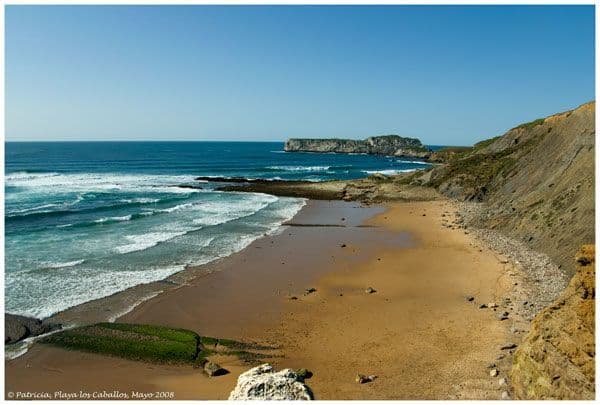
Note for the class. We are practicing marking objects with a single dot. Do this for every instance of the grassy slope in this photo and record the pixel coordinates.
(537, 181)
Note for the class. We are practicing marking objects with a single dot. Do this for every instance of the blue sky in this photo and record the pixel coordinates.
(448, 75)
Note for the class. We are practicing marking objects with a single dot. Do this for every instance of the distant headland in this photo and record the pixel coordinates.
(390, 145)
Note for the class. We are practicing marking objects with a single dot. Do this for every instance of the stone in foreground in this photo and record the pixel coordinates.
(213, 369)
(264, 383)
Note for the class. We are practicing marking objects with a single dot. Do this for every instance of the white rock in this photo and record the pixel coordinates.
(493, 372)
(505, 395)
(502, 382)
(263, 383)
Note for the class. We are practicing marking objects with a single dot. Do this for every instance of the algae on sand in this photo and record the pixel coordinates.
(150, 343)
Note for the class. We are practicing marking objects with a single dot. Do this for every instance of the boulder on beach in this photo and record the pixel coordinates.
(18, 327)
(264, 383)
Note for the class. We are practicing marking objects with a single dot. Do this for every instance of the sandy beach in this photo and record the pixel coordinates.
(417, 332)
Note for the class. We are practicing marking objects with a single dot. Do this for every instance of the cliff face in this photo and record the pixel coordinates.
(556, 359)
(537, 182)
(376, 145)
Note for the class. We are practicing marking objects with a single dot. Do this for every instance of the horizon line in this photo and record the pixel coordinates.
(176, 140)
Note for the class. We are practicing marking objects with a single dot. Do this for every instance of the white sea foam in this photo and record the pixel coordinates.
(142, 200)
(414, 162)
(389, 172)
(51, 265)
(146, 240)
(76, 288)
(33, 209)
(175, 208)
(78, 281)
(113, 219)
(299, 168)
(216, 213)
(90, 182)
(131, 307)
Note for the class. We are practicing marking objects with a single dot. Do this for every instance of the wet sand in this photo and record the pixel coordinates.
(417, 332)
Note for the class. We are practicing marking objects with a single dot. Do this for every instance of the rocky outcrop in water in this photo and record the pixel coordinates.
(17, 328)
(556, 360)
(391, 145)
(263, 383)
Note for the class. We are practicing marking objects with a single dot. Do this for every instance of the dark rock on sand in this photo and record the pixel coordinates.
(363, 379)
(19, 327)
(303, 374)
(213, 369)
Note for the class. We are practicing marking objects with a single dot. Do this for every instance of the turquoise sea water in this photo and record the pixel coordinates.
(84, 220)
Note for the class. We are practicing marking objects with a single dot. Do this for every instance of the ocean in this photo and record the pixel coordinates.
(84, 220)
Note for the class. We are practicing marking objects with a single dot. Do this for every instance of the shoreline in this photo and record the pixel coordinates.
(118, 304)
(249, 300)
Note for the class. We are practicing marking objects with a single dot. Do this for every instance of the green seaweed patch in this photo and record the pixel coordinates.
(208, 341)
(135, 342)
(153, 344)
(164, 332)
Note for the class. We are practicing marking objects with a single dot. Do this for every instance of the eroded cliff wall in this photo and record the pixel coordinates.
(556, 359)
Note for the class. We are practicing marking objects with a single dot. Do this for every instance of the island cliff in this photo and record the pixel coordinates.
(390, 145)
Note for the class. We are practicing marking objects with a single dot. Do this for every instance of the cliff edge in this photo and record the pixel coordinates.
(536, 182)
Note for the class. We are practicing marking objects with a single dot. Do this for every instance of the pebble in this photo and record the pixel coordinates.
(310, 290)
(542, 279)
(492, 305)
(482, 306)
(493, 372)
(363, 379)
(502, 382)
(304, 374)
(505, 395)
(370, 290)
(507, 346)
(213, 369)
(469, 298)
